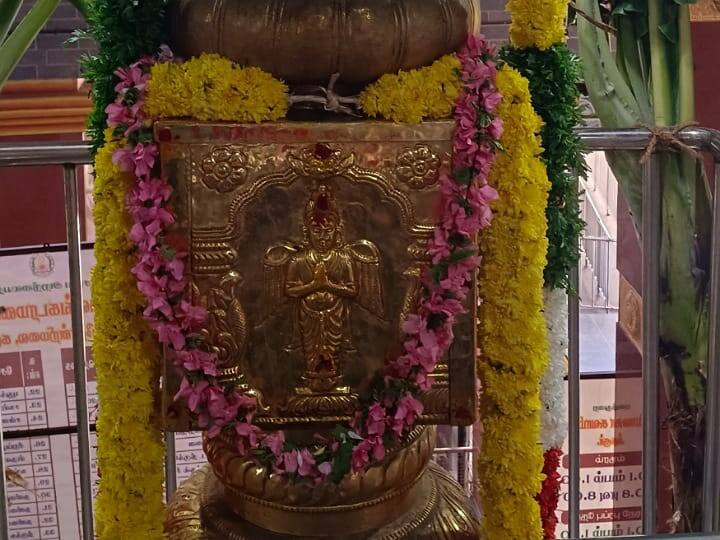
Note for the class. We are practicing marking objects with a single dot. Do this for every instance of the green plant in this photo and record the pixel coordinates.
(124, 30)
(14, 44)
(553, 74)
(648, 80)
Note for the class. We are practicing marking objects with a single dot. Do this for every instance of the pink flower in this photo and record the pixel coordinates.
(464, 151)
(145, 236)
(426, 357)
(446, 306)
(197, 360)
(475, 73)
(190, 316)
(484, 159)
(158, 305)
(438, 247)
(459, 221)
(123, 157)
(414, 324)
(219, 407)
(402, 365)
(246, 436)
(306, 463)
(377, 449)
(169, 333)
(155, 190)
(475, 45)
(118, 114)
(290, 461)
(481, 199)
(360, 457)
(491, 98)
(274, 442)
(495, 129)
(423, 382)
(376, 419)
(457, 276)
(144, 158)
(325, 468)
(176, 267)
(194, 394)
(131, 77)
(408, 409)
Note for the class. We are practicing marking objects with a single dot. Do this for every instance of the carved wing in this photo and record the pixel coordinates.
(366, 266)
(275, 272)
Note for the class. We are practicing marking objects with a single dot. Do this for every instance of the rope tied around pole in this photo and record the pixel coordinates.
(664, 138)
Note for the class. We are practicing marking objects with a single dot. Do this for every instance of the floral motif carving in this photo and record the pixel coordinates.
(225, 168)
(321, 161)
(418, 166)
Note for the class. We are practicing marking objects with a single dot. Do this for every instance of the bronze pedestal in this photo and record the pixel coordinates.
(267, 212)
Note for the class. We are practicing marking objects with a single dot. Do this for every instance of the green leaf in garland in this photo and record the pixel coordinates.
(553, 75)
(125, 30)
(463, 176)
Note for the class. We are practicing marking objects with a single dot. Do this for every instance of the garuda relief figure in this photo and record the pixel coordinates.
(322, 278)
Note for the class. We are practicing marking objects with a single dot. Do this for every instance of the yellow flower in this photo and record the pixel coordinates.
(212, 88)
(411, 96)
(537, 23)
(511, 328)
(130, 451)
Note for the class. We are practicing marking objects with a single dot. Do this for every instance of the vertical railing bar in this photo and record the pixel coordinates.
(461, 458)
(4, 534)
(72, 220)
(651, 222)
(574, 402)
(170, 470)
(711, 479)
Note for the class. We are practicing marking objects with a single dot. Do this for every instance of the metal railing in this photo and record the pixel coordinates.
(596, 247)
(701, 139)
(69, 155)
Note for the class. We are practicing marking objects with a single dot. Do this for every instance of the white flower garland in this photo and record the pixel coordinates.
(552, 389)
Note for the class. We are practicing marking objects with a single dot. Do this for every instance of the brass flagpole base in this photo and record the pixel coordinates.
(199, 511)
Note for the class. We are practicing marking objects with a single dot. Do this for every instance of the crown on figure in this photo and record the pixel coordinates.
(321, 208)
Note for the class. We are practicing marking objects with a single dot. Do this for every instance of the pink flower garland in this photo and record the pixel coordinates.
(160, 273)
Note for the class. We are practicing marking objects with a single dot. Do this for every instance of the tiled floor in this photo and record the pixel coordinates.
(597, 340)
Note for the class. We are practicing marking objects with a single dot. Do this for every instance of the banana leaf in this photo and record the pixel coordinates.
(14, 47)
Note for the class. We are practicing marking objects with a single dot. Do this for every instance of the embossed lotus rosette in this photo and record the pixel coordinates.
(309, 260)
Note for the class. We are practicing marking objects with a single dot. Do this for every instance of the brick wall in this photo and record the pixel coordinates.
(49, 57)
(495, 20)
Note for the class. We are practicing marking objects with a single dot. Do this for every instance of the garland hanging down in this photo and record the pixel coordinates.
(129, 504)
(511, 329)
(539, 52)
(392, 407)
(537, 23)
(130, 450)
(554, 74)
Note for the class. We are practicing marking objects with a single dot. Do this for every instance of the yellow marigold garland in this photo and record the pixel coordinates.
(537, 23)
(511, 325)
(130, 452)
(411, 96)
(211, 87)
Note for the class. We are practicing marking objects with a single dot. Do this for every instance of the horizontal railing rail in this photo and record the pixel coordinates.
(594, 139)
